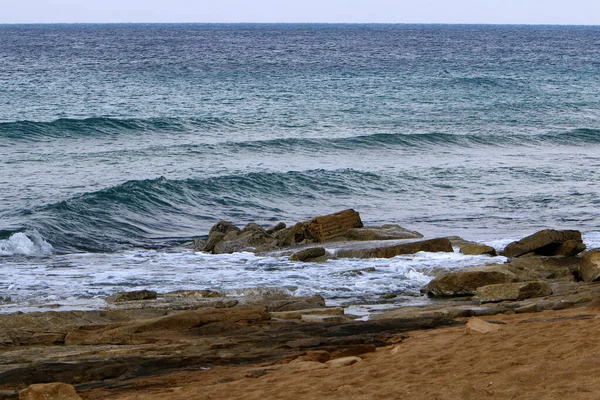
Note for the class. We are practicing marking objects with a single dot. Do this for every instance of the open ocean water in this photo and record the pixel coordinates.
(118, 143)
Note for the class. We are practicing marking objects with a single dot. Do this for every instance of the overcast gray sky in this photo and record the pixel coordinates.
(402, 11)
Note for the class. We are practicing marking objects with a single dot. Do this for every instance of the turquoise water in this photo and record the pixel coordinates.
(126, 138)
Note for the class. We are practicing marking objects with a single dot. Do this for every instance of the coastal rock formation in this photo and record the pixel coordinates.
(512, 291)
(312, 254)
(555, 268)
(466, 282)
(135, 295)
(476, 249)
(49, 391)
(320, 229)
(431, 245)
(548, 242)
(384, 232)
(590, 266)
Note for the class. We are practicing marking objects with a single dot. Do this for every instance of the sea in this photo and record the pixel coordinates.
(120, 143)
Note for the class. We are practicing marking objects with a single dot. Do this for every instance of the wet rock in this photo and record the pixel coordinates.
(252, 238)
(384, 232)
(590, 266)
(284, 302)
(320, 229)
(476, 249)
(534, 268)
(49, 391)
(312, 254)
(217, 233)
(548, 242)
(512, 291)
(202, 294)
(431, 245)
(136, 295)
(466, 282)
(276, 228)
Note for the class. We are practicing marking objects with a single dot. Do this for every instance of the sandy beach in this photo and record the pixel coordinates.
(547, 355)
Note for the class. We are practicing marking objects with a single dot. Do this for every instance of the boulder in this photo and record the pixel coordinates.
(343, 362)
(49, 391)
(384, 232)
(320, 229)
(466, 282)
(512, 291)
(276, 228)
(477, 249)
(200, 294)
(252, 238)
(548, 242)
(279, 302)
(431, 245)
(555, 268)
(314, 254)
(136, 295)
(590, 266)
(217, 233)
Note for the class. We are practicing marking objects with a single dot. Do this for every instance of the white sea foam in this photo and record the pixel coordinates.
(29, 243)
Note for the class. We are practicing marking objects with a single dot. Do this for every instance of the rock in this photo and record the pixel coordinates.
(512, 291)
(476, 249)
(323, 318)
(310, 254)
(431, 245)
(136, 295)
(343, 362)
(299, 314)
(477, 325)
(217, 233)
(527, 308)
(49, 391)
(321, 356)
(535, 268)
(384, 232)
(283, 302)
(201, 294)
(320, 229)
(276, 228)
(548, 242)
(590, 266)
(466, 282)
(252, 238)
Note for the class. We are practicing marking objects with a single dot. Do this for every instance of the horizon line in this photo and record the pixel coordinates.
(298, 23)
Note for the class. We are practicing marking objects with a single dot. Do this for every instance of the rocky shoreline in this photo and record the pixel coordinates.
(145, 333)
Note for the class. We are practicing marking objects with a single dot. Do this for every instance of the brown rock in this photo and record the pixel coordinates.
(309, 254)
(316, 355)
(477, 325)
(548, 242)
(49, 391)
(385, 232)
(136, 295)
(217, 233)
(534, 268)
(320, 229)
(590, 266)
(513, 291)
(431, 245)
(276, 228)
(298, 314)
(476, 249)
(466, 282)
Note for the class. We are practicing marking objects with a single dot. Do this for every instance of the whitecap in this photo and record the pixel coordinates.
(29, 243)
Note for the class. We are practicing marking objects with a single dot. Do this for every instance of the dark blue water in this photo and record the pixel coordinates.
(118, 137)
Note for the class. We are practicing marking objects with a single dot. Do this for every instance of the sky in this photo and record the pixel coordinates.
(575, 12)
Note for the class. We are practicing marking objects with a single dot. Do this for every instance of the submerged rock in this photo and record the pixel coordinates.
(548, 242)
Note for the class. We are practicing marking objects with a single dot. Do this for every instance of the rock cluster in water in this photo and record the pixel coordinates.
(144, 332)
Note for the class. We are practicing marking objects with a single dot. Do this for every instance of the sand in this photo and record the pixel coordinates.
(547, 355)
